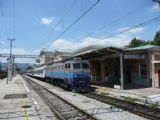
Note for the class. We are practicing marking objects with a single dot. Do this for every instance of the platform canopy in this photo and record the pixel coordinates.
(97, 52)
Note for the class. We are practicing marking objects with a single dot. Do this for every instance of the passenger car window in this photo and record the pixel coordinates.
(76, 65)
(85, 65)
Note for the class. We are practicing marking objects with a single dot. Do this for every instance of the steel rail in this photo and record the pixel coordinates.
(138, 109)
(84, 114)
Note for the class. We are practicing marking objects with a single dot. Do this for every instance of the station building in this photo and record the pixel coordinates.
(123, 67)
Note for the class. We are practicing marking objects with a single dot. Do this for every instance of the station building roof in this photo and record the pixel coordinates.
(95, 51)
(63, 53)
(48, 53)
(143, 48)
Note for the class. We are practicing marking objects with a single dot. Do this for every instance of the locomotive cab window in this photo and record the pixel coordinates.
(85, 65)
(65, 65)
(69, 65)
(76, 66)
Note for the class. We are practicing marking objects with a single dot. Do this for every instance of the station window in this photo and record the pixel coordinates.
(76, 65)
(85, 65)
(143, 71)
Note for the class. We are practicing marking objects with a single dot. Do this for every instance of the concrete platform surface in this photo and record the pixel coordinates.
(151, 95)
(14, 105)
(98, 109)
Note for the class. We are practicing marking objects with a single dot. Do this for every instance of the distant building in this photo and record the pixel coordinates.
(61, 55)
(49, 57)
(46, 57)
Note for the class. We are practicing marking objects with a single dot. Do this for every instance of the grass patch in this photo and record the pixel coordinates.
(104, 93)
(101, 93)
(74, 94)
(153, 105)
(115, 97)
(93, 89)
(129, 99)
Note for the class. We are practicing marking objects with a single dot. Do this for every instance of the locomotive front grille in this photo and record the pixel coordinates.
(81, 83)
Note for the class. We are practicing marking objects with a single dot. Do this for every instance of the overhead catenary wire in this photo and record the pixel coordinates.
(77, 20)
(3, 18)
(128, 29)
(83, 14)
(157, 1)
(13, 17)
(114, 21)
(61, 19)
(135, 26)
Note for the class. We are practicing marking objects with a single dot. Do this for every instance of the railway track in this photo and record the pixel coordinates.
(62, 108)
(141, 110)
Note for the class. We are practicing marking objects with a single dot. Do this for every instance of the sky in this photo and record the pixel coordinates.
(36, 24)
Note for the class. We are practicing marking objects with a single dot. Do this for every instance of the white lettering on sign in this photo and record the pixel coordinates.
(134, 56)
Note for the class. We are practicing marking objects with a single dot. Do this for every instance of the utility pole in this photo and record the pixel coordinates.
(10, 62)
(11, 44)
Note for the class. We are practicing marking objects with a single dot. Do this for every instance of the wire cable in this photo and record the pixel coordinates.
(128, 29)
(3, 18)
(13, 12)
(83, 14)
(61, 19)
(113, 22)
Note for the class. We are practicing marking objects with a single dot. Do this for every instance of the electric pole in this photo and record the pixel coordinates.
(10, 61)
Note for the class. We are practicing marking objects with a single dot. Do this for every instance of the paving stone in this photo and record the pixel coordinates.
(13, 108)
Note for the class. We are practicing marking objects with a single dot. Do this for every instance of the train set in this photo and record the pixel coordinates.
(73, 74)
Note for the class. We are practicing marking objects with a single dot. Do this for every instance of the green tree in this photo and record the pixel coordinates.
(137, 42)
(157, 38)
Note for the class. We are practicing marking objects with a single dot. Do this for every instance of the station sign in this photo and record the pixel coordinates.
(156, 56)
(134, 56)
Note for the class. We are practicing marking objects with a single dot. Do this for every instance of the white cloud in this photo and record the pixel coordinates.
(156, 7)
(64, 44)
(119, 40)
(132, 31)
(48, 20)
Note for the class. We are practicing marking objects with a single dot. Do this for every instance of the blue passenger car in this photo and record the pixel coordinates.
(73, 75)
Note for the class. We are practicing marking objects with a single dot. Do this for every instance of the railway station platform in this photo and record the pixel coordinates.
(18, 102)
(149, 94)
(99, 110)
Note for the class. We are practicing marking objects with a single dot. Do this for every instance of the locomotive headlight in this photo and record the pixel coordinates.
(75, 76)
